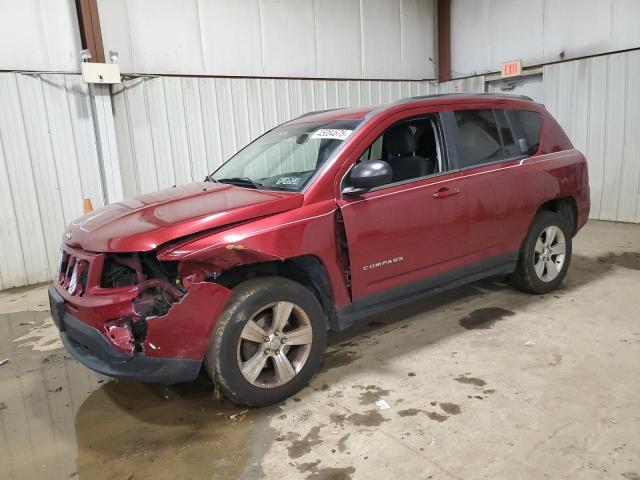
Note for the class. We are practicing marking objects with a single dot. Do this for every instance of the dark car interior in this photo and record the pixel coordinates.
(399, 146)
(410, 148)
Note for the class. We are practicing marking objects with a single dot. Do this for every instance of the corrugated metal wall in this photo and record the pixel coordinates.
(39, 35)
(597, 102)
(363, 39)
(485, 33)
(48, 164)
(463, 85)
(172, 130)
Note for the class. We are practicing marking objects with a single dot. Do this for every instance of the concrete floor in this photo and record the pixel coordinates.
(482, 382)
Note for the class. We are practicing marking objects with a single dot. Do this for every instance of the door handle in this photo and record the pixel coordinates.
(445, 192)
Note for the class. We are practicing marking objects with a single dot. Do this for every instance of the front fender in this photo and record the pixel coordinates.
(309, 230)
(184, 332)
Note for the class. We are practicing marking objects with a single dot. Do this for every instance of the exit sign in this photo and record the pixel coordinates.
(511, 69)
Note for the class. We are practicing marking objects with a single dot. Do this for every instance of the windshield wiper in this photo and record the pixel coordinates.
(240, 182)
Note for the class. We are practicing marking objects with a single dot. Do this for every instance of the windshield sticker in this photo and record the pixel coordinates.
(332, 133)
(288, 181)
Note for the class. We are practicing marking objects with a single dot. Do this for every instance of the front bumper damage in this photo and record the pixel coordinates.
(100, 332)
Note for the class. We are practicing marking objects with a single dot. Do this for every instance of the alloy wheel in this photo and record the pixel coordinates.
(550, 251)
(274, 344)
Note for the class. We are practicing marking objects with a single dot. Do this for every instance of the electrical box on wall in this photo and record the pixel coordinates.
(106, 73)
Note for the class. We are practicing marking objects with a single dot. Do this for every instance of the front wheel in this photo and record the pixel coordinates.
(545, 254)
(268, 342)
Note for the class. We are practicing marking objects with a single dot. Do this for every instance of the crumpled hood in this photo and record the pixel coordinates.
(143, 223)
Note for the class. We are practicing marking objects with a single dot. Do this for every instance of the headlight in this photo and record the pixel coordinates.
(59, 264)
(73, 282)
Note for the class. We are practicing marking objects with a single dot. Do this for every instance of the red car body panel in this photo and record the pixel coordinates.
(143, 223)
(403, 223)
(182, 333)
(308, 230)
(424, 228)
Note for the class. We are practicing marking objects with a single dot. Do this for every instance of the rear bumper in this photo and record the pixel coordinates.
(584, 206)
(91, 348)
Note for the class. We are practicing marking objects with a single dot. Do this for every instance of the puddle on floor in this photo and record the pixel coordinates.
(43, 336)
(625, 259)
(60, 420)
(157, 432)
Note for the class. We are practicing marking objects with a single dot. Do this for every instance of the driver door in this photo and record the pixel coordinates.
(405, 236)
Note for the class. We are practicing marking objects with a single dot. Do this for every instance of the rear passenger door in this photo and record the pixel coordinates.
(490, 154)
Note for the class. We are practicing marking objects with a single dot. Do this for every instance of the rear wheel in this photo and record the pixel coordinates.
(545, 254)
(268, 342)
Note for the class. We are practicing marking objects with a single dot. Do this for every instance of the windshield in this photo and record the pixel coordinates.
(286, 157)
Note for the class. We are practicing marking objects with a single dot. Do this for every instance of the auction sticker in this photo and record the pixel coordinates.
(332, 133)
(288, 181)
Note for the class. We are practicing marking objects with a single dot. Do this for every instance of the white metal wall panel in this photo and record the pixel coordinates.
(381, 28)
(338, 33)
(231, 36)
(288, 38)
(529, 85)
(485, 33)
(470, 40)
(172, 130)
(48, 164)
(629, 197)
(39, 35)
(625, 20)
(576, 27)
(418, 38)
(391, 39)
(516, 32)
(597, 102)
(162, 32)
(463, 85)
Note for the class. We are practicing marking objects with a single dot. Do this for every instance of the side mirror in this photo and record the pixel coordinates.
(367, 175)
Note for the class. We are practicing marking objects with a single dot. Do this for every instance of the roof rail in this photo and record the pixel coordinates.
(316, 112)
(437, 95)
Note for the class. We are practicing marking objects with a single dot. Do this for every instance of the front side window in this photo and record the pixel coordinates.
(410, 147)
(286, 157)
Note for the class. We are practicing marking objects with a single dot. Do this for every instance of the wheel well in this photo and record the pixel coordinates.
(565, 206)
(307, 270)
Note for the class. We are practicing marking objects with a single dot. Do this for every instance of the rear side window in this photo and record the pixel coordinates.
(528, 125)
(509, 147)
(479, 139)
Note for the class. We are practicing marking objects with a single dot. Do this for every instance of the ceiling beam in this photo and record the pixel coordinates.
(90, 33)
(444, 40)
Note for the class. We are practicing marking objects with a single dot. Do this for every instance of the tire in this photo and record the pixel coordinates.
(262, 301)
(540, 268)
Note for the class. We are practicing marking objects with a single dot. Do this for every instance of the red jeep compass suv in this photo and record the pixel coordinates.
(320, 221)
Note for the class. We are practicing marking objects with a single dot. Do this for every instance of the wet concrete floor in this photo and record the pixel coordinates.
(481, 382)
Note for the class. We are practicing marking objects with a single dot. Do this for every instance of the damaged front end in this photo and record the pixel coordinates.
(156, 283)
(126, 307)
(175, 307)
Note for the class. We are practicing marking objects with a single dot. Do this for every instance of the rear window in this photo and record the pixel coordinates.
(529, 136)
